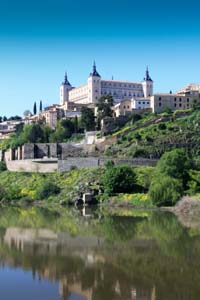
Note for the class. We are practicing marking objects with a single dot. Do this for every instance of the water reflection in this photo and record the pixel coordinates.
(101, 255)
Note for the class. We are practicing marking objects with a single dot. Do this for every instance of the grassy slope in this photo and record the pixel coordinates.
(152, 141)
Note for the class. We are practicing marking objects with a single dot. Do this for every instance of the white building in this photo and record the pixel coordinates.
(97, 87)
(191, 88)
(141, 103)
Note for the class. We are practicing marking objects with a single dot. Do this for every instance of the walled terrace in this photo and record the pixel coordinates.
(61, 157)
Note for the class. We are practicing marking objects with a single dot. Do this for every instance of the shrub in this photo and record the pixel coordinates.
(174, 164)
(109, 164)
(48, 189)
(140, 153)
(2, 166)
(162, 126)
(2, 192)
(194, 183)
(166, 192)
(144, 176)
(135, 118)
(118, 179)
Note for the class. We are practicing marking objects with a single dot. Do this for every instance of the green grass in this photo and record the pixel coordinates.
(155, 139)
(136, 200)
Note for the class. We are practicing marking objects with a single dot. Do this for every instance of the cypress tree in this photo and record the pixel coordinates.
(40, 105)
(35, 108)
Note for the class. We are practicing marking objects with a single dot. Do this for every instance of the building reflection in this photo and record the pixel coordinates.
(80, 264)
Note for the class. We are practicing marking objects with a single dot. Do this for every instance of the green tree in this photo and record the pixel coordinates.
(174, 164)
(76, 124)
(118, 179)
(87, 118)
(40, 105)
(104, 107)
(47, 132)
(34, 108)
(165, 191)
(33, 134)
(64, 131)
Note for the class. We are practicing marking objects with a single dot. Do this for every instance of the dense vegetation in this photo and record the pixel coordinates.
(150, 135)
(173, 177)
(174, 138)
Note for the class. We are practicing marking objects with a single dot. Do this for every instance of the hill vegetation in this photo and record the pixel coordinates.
(173, 138)
(150, 136)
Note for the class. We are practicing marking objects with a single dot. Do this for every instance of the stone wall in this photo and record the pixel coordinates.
(52, 165)
(77, 162)
(93, 162)
(29, 165)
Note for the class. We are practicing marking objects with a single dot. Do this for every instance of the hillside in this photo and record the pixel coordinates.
(152, 135)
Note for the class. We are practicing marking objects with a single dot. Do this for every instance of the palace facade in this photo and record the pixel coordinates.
(96, 87)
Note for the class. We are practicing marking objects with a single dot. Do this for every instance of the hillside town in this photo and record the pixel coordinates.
(128, 97)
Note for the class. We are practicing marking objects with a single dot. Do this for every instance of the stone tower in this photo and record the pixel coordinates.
(147, 84)
(64, 90)
(94, 86)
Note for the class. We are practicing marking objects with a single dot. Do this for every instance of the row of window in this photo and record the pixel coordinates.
(126, 94)
(180, 99)
(143, 102)
(175, 105)
(125, 107)
(120, 85)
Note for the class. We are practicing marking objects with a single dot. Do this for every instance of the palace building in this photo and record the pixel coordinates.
(96, 87)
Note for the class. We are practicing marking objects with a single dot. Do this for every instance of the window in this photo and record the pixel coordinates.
(148, 102)
(139, 102)
(174, 99)
(180, 104)
(180, 99)
(160, 104)
(174, 104)
(143, 102)
(188, 99)
(159, 98)
(124, 106)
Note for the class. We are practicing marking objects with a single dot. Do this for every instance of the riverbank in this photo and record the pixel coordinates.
(68, 187)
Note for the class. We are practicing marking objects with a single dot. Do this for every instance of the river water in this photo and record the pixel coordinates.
(62, 254)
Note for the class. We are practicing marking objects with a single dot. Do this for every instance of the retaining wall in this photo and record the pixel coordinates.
(48, 166)
(30, 166)
(93, 162)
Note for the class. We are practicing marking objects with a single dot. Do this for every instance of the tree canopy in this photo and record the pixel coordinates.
(87, 118)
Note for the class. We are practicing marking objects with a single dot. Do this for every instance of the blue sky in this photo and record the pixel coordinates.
(40, 40)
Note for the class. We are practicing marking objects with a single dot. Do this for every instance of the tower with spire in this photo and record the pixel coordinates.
(147, 84)
(64, 90)
(94, 85)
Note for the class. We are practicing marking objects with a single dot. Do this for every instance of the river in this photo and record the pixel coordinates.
(99, 254)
